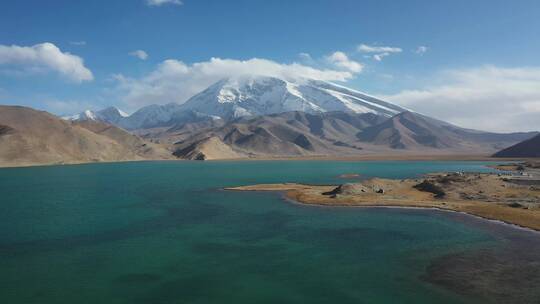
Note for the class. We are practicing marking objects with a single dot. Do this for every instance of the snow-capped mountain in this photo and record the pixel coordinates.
(162, 116)
(258, 95)
(248, 96)
(110, 115)
(150, 116)
(85, 115)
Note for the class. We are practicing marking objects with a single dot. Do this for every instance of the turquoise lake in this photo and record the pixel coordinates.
(165, 232)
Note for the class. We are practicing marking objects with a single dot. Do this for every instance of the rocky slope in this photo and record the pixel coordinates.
(208, 149)
(284, 134)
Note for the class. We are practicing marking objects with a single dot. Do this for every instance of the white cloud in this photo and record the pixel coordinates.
(364, 48)
(163, 2)
(175, 81)
(142, 55)
(485, 98)
(78, 43)
(341, 60)
(42, 57)
(421, 50)
(379, 57)
(381, 51)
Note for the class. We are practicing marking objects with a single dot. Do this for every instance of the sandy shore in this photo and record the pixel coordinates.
(378, 157)
(485, 195)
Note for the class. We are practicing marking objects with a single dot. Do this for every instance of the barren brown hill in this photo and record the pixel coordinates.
(338, 134)
(207, 149)
(413, 131)
(30, 137)
(527, 148)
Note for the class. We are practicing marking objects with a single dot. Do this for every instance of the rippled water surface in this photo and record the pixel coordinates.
(164, 232)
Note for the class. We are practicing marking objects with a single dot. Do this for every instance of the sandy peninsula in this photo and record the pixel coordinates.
(505, 197)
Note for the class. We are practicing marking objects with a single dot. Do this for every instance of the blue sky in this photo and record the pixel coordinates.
(476, 55)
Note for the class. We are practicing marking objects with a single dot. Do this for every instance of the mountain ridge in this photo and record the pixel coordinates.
(111, 115)
(339, 133)
(29, 137)
(527, 148)
(247, 117)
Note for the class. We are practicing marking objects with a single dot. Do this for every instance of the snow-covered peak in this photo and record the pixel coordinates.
(109, 115)
(122, 113)
(248, 95)
(150, 116)
(84, 115)
(260, 95)
(90, 115)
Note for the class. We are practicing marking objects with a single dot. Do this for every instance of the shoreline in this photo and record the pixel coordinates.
(500, 205)
(436, 209)
(367, 158)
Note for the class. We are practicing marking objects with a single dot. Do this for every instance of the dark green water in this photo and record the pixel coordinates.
(163, 232)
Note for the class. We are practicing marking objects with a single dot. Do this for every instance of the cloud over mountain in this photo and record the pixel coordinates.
(44, 57)
(176, 81)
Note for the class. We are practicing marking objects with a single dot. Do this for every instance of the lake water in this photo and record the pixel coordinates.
(164, 232)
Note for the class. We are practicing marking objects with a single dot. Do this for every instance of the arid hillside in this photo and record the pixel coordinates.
(30, 137)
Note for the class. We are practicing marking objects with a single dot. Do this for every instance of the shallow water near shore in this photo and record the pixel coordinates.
(164, 232)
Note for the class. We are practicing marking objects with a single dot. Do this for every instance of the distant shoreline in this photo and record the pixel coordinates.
(369, 157)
